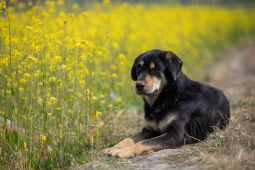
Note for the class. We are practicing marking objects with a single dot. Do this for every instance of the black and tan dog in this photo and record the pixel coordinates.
(177, 109)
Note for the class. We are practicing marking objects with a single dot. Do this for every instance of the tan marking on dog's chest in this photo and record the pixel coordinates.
(151, 99)
(161, 125)
(151, 125)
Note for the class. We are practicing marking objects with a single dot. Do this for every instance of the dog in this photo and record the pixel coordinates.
(177, 109)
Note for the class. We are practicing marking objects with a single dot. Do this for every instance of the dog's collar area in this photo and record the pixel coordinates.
(151, 99)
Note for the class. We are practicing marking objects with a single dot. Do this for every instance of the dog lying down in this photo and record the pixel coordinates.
(177, 109)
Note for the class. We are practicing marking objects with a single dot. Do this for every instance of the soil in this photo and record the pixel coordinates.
(235, 75)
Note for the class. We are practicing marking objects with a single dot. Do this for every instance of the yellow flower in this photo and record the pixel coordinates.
(114, 75)
(32, 59)
(94, 98)
(22, 81)
(106, 2)
(63, 66)
(58, 59)
(85, 14)
(98, 52)
(52, 101)
(39, 100)
(49, 114)
(98, 113)
(43, 137)
(52, 79)
(121, 57)
(99, 126)
(82, 83)
(2, 5)
(71, 15)
(103, 101)
(70, 90)
(113, 67)
(8, 92)
(27, 75)
(88, 91)
(110, 106)
(119, 99)
(60, 2)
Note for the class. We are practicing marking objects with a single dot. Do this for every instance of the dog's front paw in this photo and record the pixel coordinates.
(113, 151)
(127, 152)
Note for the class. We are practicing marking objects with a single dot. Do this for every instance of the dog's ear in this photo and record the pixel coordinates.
(133, 70)
(172, 63)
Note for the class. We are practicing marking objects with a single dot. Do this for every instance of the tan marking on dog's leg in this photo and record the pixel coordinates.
(121, 144)
(143, 149)
(137, 149)
(125, 142)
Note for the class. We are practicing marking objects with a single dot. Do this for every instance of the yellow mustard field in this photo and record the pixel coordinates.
(64, 74)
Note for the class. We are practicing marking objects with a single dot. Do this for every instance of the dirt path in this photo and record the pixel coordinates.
(236, 76)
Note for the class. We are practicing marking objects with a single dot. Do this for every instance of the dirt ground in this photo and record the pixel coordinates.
(233, 148)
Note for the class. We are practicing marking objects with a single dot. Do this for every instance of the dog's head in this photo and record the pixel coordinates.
(153, 70)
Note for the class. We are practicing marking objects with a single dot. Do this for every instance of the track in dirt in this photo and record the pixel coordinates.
(235, 75)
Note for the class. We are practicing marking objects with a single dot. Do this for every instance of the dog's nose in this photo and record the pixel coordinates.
(140, 86)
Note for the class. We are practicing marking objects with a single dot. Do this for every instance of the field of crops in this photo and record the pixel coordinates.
(64, 75)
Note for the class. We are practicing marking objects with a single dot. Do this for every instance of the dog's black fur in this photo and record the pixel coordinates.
(197, 107)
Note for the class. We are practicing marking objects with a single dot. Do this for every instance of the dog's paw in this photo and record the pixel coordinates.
(127, 152)
(108, 151)
(112, 151)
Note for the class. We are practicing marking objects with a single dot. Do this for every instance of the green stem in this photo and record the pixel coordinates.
(10, 44)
